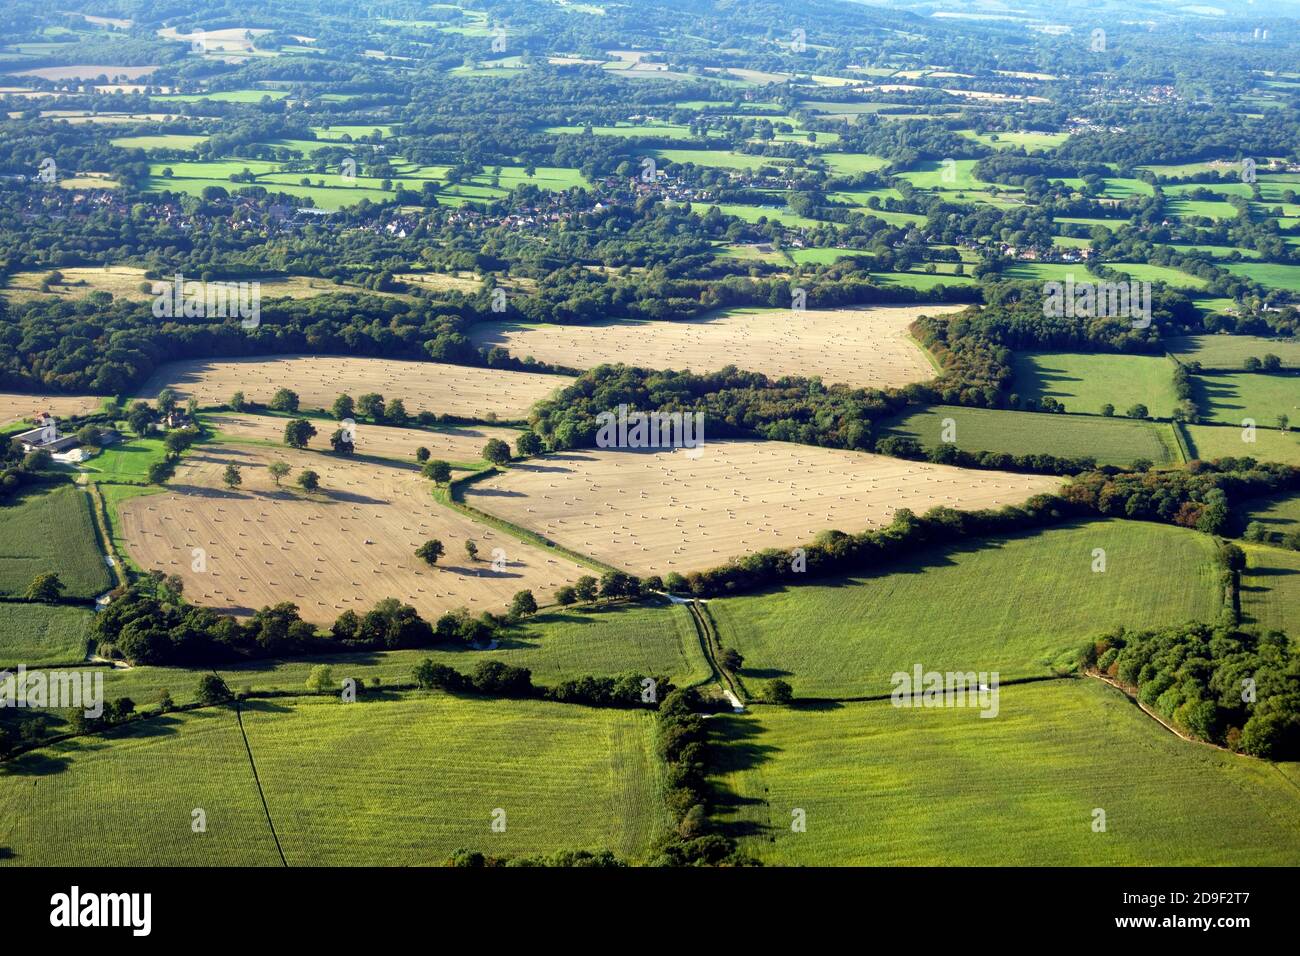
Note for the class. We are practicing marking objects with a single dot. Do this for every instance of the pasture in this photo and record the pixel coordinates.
(885, 786)
(42, 634)
(1209, 442)
(1083, 382)
(1271, 274)
(657, 511)
(1233, 397)
(458, 390)
(343, 547)
(776, 342)
(1145, 272)
(1111, 441)
(1270, 588)
(1021, 605)
(1231, 351)
(1280, 515)
(50, 529)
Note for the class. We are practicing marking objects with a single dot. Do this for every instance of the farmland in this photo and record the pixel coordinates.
(774, 342)
(344, 547)
(1116, 441)
(1270, 587)
(1209, 442)
(1021, 605)
(50, 530)
(15, 407)
(461, 391)
(42, 634)
(887, 786)
(1231, 351)
(1086, 382)
(1233, 397)
(683, 510)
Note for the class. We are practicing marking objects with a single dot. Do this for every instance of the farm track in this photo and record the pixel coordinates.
(99, 512)
(708, 642)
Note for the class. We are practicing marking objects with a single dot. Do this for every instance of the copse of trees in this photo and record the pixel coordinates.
(1235, 687)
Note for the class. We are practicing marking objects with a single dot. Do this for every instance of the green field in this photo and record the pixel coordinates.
(1271, 274)
(1270, 588)
(1232, 397)
(1083, 382)
(159, 141)
(1113, 441)
(126, 462)
(555, 646)
(932, 174)
(1033, 142)
(225, 96)
(751, 213)
(1226, 441)
(1216, 252)
(1207, 208)
(823, 257)
(850, 164)
(720, 158)
(401, 781)
(923, 281)
(1280, 515)
(1231, 351)
(1017, 605)
(892, 786)
(42, 634)
(1144, 272)
(51, 530)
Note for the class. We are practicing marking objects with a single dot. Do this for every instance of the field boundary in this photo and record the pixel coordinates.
(448, 497)
(1183, 441)
(1110, 681)
(98, 512)
(239, 717)
(712, 643)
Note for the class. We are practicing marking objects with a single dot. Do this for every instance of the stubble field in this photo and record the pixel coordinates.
(859, 347)
(342, 548)
(662, 511)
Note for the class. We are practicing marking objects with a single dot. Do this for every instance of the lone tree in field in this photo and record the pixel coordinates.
(284, 400)
(45, 588)
(213, 690)
(397, 412)
(1137, 411)
(237, 402)
(778, 691)
(422, 454)
(158, 472)
(298, 433)
(430, 551)
(341, 441)
(320, 679)
(278, 470)
(528, 444)
(523, 604)
(1283, 422)
(309, 481)
(231, 477)
(471, 549)
(496, 451)
(437, 470)
(343, 407)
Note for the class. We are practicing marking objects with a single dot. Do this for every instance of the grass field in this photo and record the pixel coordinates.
(1231, 351)
(890, 786)
(1232, 397)
(1281, 515)
(160, 141)
(42, 634)
(1270, 588)
(1226, 441)
(423, 386)
(657, 511)
(1016, 605)
(776, 342)
(1083, 382)
(344, 547)
(1112, 441)
(1144, 272)
(50, 529)
(1272, 274)
(126, 462)
(401, 781)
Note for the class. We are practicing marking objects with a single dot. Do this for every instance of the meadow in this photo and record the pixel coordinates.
(1280, 515)
(885, 786)
(1209, 442)
(1231, 351)
(42, 634)
(1021, 605)
(1144, 272)
(1270, 588)
(50, 529)
(1111, 441)
(1272, 274)
(1083, 382)
(658, 511)
(1233, 397)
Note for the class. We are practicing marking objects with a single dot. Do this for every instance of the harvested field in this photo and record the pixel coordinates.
(345, 547)
(662, 511)
(859, 347)
(17, 407)
(319, 379)
(128, 282)
(89, 71)
(381, 441)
